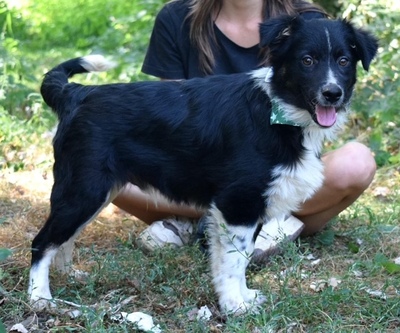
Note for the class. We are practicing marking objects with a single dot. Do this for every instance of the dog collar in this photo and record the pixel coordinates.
(278, 116)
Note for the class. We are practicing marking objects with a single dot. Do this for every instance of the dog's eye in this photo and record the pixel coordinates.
(308, 61)
(343, 61)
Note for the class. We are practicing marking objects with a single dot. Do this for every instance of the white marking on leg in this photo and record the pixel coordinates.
(231, 248)
(39, 288)
(63, 259)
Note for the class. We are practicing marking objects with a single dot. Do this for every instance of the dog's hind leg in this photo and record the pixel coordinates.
(62, 261)
(231, 248)
(67, 218)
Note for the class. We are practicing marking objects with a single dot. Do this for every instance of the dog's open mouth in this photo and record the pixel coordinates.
(326, 115)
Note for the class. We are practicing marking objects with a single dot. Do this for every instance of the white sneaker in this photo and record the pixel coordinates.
(272, 233)
(171, 232)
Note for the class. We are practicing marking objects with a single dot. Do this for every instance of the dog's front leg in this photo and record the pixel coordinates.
(231, 248)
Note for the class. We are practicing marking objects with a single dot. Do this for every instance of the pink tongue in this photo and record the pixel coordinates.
(326, 115)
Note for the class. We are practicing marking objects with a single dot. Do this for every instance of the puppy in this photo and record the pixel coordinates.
(244, 146)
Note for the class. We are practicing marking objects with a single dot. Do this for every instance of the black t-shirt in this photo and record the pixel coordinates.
(170, 54)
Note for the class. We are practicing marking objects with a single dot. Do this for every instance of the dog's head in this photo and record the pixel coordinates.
(314, 63)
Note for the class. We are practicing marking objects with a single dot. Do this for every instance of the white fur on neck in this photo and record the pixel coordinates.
(292, 185)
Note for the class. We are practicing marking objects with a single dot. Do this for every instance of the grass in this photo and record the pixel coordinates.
(327, 283)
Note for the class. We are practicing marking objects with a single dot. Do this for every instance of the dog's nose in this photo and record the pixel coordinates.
(332, 92)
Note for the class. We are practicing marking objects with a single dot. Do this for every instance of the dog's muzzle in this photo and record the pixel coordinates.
(326, 110)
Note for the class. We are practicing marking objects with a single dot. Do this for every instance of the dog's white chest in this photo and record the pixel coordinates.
(292, 185)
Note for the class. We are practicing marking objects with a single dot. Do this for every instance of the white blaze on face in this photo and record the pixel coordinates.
(326, 115)
(328, 38)
(330, 75)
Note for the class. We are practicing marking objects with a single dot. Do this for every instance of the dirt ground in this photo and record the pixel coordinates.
(24, 206)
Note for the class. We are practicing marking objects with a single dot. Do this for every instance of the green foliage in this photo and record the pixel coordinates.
(333, 8)
(37, 35)
(377, 98)
(326, 237)
(391, 267)
(4, 254)
(117, 28)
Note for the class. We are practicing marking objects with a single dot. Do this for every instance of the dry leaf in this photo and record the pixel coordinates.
(18, 328)
(358, 274)
(143, 321)
(315, 262)
(318, 286)
(192, 314)
(204, 313)
(310, 257)
(381, 191)
(376, 293)
(333, 282)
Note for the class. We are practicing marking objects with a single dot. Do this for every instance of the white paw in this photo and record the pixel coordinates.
(42, 304)
(233, 306)
(254, 296)
(238, 305)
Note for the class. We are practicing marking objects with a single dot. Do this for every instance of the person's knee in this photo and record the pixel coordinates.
(361, 164)
(352, 167)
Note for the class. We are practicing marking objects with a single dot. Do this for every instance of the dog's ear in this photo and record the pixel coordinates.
(365, 45)
(275, 31)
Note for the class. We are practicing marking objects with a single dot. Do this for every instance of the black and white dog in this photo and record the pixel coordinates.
(244, 146)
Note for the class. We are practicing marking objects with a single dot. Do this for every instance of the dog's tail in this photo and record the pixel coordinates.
(56, 80)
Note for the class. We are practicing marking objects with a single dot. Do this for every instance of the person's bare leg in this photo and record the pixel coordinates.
(349, 170)
(149, 209)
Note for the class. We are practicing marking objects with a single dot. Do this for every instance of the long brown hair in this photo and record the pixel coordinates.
(203, 13)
